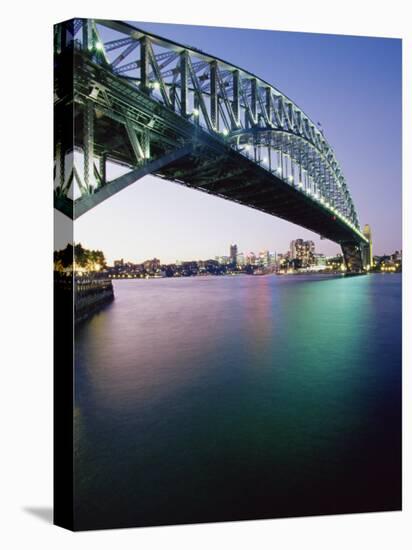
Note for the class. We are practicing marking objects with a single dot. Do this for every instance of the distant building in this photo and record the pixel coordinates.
(272, 258)
(319, 260)
(233, 254)
(367, 248)
(119, 263)
(250, 258)
(223, 260)
(240, 259)
(264, 258)
(151, 265)
(335, 263)
(303, 251)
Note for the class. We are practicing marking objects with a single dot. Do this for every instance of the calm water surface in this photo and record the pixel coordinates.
(221, 398)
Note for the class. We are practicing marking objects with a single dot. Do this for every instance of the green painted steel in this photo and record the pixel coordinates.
(139, 101)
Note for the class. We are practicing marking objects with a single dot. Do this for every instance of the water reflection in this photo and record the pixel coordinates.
(238, 397)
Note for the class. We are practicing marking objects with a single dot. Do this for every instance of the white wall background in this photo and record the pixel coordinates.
(26, 283)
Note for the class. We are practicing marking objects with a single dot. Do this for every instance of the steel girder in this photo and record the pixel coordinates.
(118, 83)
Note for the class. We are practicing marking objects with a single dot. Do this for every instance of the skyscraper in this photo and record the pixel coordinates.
(367, 248)
(233, 254)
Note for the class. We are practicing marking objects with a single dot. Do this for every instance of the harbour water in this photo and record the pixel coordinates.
(225, 398)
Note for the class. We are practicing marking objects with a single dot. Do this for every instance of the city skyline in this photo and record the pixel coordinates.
(229, 256)
(365, 91)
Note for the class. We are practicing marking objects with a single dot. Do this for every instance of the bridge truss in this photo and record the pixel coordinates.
(127, 97)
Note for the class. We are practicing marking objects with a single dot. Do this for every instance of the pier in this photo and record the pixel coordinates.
(91, 294)
(86, 293)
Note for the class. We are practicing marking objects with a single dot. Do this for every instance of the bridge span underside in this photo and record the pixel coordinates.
(108, 119)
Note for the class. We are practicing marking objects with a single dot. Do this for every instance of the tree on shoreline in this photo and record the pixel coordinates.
(85, 260)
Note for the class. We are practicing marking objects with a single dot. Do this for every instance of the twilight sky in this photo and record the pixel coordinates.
(352, 85)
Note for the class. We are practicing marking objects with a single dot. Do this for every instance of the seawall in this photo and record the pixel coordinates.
(91, 294)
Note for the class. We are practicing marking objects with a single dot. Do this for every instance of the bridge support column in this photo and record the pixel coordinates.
(236, 96)
(144, 65)
(60, 175)
(88, 145)
(184, 83)
(87, 34)
(102, 168)
(253, 99)
(268, 103)
(146, 144)
(352, 255)
(214, 101)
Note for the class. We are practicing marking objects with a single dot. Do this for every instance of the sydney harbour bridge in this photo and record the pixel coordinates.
(130, 98)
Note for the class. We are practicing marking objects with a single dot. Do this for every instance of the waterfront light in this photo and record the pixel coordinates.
(195, 112)
(225, 132)
(156, 85)
(99, 46)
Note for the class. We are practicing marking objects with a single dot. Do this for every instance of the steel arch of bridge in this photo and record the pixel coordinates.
(168, 101)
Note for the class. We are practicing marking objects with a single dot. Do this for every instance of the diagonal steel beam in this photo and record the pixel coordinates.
(124, 54)
(84, 204)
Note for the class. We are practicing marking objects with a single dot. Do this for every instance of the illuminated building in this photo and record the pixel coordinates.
(233, 253)
(250, 258)
(223, 260)
(240, 259)
(303, 251)
(367, 248)
(263, 259)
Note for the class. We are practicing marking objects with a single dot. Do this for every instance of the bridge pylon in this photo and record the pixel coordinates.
(354, 257)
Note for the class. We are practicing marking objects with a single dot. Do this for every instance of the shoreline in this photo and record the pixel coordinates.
(297, 274)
